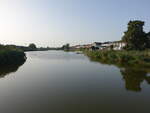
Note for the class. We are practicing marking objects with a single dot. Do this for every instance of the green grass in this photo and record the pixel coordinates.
(121, 58)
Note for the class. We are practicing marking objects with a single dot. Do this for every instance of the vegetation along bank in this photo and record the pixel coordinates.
(136, 51)
(10, 55)
(121, 58)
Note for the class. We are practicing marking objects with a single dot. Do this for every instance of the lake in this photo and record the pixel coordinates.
(66, 82)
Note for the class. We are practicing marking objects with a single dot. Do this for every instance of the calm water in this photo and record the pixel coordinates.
(61, 82)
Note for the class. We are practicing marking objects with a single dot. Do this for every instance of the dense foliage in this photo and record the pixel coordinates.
(148, 40)
(32, 46)
(11, 55)
(66, 47)
(135, 38)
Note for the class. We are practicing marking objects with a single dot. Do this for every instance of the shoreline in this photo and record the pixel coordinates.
(121, 58)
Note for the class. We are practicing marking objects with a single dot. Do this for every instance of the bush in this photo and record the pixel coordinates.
(10, 55)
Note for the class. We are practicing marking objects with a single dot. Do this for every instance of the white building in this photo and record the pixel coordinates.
(97, 44)
(117, 45)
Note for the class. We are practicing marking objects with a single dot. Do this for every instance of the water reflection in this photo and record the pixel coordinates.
(134, 77)
(47, 85)
(6, 70)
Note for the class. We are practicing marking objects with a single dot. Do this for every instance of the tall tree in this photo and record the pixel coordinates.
(135, 37)
(66, 47)
(32, 46)
(148, 40)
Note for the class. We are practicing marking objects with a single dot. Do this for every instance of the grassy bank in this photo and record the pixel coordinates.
(11, 55)
(121, 58)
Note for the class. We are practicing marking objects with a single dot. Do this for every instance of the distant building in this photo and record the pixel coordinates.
(86, 46)
(96, 45)
(106, 45)
(117, 45)
(77, 46)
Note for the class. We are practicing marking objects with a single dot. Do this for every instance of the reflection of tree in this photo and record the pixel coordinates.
(5, 70)
(133, 78)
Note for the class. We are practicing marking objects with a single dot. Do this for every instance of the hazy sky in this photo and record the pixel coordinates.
(56, 22)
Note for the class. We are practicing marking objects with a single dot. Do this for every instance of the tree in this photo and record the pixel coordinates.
(32, 46)
(135, 37)
(148, 40)
(66, 47)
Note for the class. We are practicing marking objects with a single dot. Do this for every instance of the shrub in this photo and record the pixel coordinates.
(9, 55)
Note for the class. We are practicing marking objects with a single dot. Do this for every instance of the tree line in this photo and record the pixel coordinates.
(135, 37)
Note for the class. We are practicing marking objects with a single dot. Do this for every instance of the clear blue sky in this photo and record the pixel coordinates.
(56, 22)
